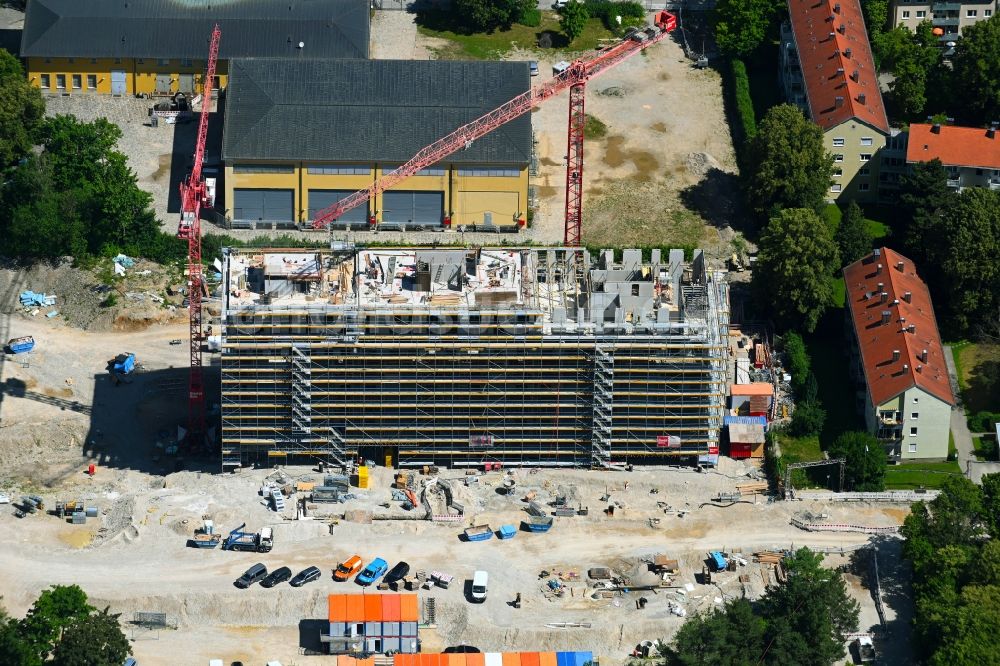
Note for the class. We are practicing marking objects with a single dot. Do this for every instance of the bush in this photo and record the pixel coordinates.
(531, 17)
(632, 14)
(798, 360)
(984, 421)
(742, 102)
(593, 128)
(807, 419)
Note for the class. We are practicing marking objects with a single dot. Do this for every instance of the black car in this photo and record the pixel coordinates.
(276, 576)
(251, 576)
(397, 573)
(305, 576)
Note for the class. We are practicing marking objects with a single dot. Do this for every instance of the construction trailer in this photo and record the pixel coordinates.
(455, 356)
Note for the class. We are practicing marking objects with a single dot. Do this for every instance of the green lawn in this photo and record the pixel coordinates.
(878, 230)
(975, 364)
(836, 391)
(908, 476)
(492, 46)
(839, 291)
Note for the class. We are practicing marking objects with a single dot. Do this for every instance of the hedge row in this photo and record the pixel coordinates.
(983, 421)
(632, 13)
(742, 100)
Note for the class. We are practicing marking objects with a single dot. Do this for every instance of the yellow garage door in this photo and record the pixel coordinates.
(482, 207)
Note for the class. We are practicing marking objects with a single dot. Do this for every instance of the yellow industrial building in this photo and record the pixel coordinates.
(301, 134)
(160, 48)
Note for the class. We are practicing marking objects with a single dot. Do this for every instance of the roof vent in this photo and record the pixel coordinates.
(839, 101)
(919, 368)
(906, 368)
(900, 266)
(856, 75)
(842, 29)
(862, 99)
(992, 131)
(836, 8)
(881, 285)
(868, 295)
(895, 355)
(877, 252)
(895, 301)
(883, 297)
(848, 52)
(936, 128)
(908, 296)
(923, 356)
(885, 316)
(911, 328)
(832, 36)
(878, 270)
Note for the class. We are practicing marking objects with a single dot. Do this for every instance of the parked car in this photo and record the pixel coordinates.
(372, 572)
(480, 581)
(4, 499)
(397, 573)
(305, 576)
(348, 568)
(533, 68)
(276, 576)
(251, 575)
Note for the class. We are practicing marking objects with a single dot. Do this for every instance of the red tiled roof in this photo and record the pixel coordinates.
(908, 303)
(824, 32)
(954, 146)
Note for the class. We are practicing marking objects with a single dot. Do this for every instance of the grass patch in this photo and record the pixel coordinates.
(839, 291)
(801, 449)
(976, 364)
(492, 46)
(877, 230)
(593, 128)
(832, 215)
(909, 476)
(640, 214)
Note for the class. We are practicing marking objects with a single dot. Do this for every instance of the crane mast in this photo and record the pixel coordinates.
(193, 195)
(574, 78)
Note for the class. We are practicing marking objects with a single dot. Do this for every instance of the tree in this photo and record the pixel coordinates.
(798, 360)
(852, 237)
(488, 15)
(976, 73)
(741, 26)
(21, 110)
(13, 649)
(876, 14)
(573, 19)
(788, 166)
(732, 635)
(55, 609)
(866, 461)
(970, 261)
(911, 56)
(807, 419)
(801, 622)
(795, 262)
(96, 640)
(924, 195)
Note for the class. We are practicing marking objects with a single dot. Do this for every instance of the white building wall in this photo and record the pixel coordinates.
(930, 418)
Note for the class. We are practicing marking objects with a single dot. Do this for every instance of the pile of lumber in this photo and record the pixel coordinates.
(752, 487)
(768, 557)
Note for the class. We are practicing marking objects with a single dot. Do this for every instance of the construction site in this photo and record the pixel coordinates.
(526, 357)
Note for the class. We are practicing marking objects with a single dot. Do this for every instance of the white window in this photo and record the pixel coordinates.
(838, 157)
(864, 171)
(163, 62)
(863, 187)
(906, 14)
(970, 13)
(46, 81)
(837, 173)
(916, 400)
(914, 415)
(987, 13)
(838, 141)
(913, 447)
(913, 431)
(865, 156)
(921, 13)
(836, 187)
(91, 81)
(866, 141)
(61, 81)
(77, 81)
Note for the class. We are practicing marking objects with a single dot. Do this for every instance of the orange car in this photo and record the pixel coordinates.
(348, 568)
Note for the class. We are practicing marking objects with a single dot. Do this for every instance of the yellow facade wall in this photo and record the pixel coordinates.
(466, 198)
(140, 74)
(844, 142)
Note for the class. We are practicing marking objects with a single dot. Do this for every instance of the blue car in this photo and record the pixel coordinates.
(372, 572)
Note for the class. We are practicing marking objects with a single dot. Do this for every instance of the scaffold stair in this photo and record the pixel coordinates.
(603, 404)
(301, 373)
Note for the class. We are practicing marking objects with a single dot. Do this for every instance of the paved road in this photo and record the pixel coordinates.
(959, 425)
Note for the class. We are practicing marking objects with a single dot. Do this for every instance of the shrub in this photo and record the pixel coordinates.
(531, 17)
(632, 13)
(983, 421)
(807, 419)
(798, 360)
(742, 102)
(593, 128)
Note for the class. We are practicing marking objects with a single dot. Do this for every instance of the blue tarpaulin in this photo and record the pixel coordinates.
(124, 261)
(32, 299)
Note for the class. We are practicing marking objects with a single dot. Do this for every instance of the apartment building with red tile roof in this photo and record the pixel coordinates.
(970, 154)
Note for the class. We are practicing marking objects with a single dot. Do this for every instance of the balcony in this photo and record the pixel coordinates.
(954, 182)
(945, 22)
(995, 184)
(946, 6)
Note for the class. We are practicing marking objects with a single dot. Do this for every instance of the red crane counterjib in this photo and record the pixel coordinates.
(578, 72)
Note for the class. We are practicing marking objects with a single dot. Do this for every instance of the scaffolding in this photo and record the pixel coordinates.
(533, 356)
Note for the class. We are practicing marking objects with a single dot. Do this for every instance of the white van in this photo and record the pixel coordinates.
(480, 580)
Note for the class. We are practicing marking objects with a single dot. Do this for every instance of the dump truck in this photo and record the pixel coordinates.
(257, 542)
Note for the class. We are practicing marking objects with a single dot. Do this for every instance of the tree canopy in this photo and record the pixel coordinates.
(96, 640)
(912, 57)
(795, 262)
(864, 470)
(976, 75)
(951, 543)
(853, 238)
(787, 164)
(741, 26)
(573, 19)
(488, 15)
(797, 623)
(21, 110)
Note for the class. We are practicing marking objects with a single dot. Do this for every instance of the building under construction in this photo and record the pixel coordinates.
(456, 356)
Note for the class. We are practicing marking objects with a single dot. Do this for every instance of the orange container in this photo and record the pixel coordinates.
(454, 659)
(373, 607)
(404, 660)
(355, 608)
(475, 659)
(511, 658)
(547, 659)
(408, 609)
(338, 608)
(390, 608)
(530, 659)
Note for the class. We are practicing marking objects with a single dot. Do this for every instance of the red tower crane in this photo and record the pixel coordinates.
(574, 78)
(193, 196)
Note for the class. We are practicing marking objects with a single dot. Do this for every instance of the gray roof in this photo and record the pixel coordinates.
(181, 28)
(369, 110)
